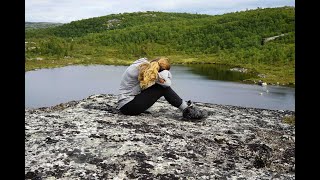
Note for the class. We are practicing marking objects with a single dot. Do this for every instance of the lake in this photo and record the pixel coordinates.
(199, 83)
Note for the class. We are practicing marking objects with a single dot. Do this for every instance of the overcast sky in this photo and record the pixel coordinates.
(65, 11)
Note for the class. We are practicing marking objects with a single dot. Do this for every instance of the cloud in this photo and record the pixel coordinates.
(71, 10)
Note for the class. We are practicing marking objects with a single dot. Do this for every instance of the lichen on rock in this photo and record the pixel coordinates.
(90, 139)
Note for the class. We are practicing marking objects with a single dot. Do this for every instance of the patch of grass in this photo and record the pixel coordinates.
(284, 74)
(54, 63)
(289, 119)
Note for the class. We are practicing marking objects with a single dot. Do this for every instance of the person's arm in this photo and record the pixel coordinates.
(164, 78)
(141, 60)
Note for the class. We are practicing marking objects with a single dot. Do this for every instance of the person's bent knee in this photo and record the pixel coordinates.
(166, 89)
(130, 113)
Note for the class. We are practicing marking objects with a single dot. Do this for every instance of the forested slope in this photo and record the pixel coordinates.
(233, 38)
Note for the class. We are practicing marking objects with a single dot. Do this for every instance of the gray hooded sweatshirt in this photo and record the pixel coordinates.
(130, 85)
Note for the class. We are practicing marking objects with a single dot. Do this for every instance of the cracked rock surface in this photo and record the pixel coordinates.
(90, 139)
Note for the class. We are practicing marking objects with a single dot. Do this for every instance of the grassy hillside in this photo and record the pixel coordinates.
(234, 38)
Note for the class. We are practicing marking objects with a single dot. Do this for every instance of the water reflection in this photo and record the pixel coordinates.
(219, 72)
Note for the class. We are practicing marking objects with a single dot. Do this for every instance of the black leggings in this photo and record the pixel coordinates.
(148, 97)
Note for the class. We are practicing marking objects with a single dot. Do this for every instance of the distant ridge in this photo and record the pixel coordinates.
(39, 25)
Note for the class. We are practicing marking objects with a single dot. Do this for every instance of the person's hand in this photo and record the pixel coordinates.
(161, 80)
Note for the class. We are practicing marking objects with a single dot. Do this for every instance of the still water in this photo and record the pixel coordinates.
(48, 87)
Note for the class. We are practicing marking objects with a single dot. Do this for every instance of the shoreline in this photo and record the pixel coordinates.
(161, 99)
(246, 81)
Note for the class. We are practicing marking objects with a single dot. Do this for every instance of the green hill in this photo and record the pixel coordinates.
(234, 38)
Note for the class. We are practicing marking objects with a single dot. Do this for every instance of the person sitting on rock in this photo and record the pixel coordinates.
(144, 82)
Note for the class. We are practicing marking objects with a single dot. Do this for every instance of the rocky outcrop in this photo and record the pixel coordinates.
(265, 40)
(242, 70)
(89, 139)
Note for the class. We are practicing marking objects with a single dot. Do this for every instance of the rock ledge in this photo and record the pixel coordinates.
(89, 139)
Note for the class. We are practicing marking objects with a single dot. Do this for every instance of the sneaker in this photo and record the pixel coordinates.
(192, 112)
(189, 103)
